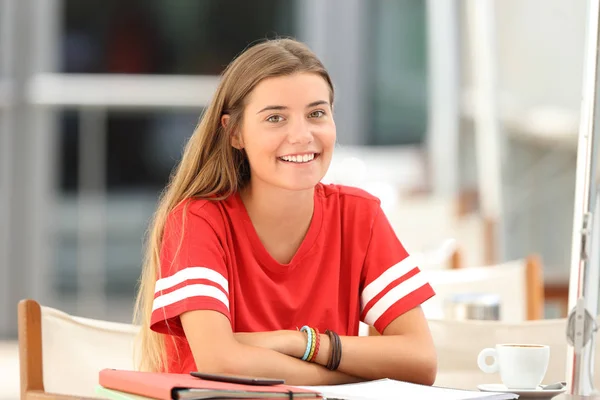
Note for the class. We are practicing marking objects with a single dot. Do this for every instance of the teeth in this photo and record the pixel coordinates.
(299, 158)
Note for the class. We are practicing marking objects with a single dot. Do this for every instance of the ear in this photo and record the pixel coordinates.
(225, 120)
(236, 140)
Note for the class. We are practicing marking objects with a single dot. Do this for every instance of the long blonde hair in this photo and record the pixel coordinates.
(211, 167)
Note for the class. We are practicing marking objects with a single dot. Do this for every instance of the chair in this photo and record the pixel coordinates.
(60, 355)
(458, 344)
(519, 284)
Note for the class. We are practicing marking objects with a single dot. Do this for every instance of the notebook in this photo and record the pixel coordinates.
(134, 385)
(191, 394)
(384, 389)
(164, 386)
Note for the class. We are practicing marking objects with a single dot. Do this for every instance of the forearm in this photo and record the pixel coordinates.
(260, 362)
(401, 357)
(404, 358)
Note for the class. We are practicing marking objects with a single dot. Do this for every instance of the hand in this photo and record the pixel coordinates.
(288, 342)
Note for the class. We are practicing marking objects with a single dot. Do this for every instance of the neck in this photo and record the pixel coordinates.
(270, 205)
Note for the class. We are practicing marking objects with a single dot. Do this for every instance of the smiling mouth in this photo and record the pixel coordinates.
(299, 159)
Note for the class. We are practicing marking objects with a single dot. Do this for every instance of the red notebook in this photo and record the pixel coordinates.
(186, 387)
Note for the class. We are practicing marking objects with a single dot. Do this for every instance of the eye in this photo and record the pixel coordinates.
(316, 114)
(275, 118)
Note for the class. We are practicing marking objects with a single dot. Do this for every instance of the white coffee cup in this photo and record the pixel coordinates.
(521, 366)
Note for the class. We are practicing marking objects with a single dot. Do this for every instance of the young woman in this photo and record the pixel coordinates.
(256, 268)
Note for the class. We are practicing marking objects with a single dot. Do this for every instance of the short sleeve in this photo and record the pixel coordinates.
(392, 283)
(193, 272)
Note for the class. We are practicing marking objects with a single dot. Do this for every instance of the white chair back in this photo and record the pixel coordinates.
(75, 349)
(508, 281)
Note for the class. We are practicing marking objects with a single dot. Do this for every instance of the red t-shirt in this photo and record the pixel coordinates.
(350, 267)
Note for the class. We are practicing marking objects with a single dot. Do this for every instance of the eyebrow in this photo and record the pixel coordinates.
(313, 104)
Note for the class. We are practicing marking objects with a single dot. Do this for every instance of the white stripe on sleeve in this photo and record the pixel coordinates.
(390, 298)
(390, 275)
(191, 273)
(186, 292)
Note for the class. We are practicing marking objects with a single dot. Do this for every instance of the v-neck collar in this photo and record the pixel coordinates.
(261, 253)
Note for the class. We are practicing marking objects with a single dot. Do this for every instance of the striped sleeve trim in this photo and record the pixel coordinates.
(190, 291)
(185, 285)
(390, 275)
(189, 273)
(394, 295)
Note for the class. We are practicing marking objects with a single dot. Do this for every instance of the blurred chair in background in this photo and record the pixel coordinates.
(518, 284)
(61, 355)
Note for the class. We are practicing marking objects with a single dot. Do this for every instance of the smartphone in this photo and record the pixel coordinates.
(244, 380)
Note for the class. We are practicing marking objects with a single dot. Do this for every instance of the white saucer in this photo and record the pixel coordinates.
(538, 393)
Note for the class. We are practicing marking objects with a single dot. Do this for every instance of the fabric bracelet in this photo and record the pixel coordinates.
(313, 344)
(317, 346)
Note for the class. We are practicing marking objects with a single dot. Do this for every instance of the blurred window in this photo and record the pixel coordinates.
(141, 150)
(397, 72)
(166, 36)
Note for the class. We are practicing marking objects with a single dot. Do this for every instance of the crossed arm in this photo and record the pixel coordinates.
(404, 351)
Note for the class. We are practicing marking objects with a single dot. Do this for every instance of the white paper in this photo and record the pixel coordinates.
(384, 389)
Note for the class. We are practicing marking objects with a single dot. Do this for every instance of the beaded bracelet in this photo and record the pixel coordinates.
(313, 344)
(317, 345)
(308, 342)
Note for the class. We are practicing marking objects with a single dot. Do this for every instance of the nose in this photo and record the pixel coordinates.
(300, 132)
